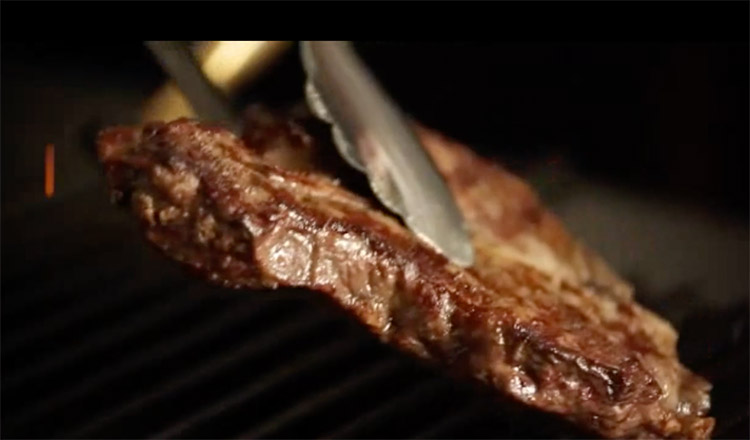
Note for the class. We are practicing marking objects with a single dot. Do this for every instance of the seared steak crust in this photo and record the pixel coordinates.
(538, 317)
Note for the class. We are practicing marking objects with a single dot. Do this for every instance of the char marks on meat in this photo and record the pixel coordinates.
(539, 317)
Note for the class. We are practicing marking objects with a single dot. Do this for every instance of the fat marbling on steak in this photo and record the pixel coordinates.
(539, 317)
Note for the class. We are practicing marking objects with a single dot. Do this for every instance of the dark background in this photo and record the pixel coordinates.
(667, 118)
(641, 148)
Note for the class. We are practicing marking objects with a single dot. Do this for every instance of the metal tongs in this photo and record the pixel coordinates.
(369, 131)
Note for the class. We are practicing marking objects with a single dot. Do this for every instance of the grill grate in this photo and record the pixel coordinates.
(115, 342)
(308, 407)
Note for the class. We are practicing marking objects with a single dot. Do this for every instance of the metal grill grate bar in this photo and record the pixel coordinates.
(135, 324)
(320, 400)
(270, 339)
(93, 305)
(212, 327)
(451, 422)
(421, 391)
(319, 355)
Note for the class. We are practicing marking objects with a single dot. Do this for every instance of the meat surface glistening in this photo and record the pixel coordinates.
(539, 317)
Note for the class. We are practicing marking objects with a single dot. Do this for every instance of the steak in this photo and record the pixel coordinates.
(538, 317)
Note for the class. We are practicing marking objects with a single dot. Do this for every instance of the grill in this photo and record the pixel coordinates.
(112, 340)
(125, 345)
(102, 337)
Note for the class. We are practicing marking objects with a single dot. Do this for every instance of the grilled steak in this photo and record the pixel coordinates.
(539, 317)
